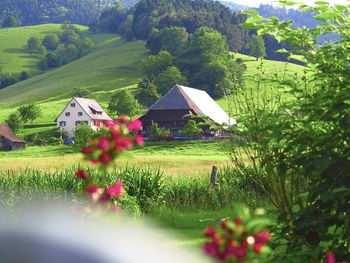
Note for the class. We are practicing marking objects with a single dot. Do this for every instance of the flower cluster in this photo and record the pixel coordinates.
(231, 241)
(112, 139)
(101, 195)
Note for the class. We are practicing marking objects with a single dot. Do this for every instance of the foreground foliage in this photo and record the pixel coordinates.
(299, 150)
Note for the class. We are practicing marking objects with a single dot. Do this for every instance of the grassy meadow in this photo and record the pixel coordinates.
(111, 65)
(174, 158)
(14, 56)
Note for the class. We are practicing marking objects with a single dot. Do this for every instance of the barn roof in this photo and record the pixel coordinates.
(93, 109)
(6, 131)
(181, 97)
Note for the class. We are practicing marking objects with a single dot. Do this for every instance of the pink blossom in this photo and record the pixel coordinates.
(81, 174)
(104, 158)
(135, 125)
(116, 190)
(239, 252)
(209, 232)
(93, 161)
(87, 150)
(92, 189)
(115, 133)
(103, 143)
(123, 143)
(139, 139)
(109, 123)
(238, 221)
(210, 248)
(122, 119)
(330, 257)
(223, 224)
(262, 237)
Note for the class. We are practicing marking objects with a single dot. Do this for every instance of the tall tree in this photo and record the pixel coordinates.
(256, 46)
(29, 112)
(124, 103)
(168, 78)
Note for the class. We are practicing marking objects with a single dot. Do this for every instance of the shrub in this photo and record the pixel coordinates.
(54, 140)
(83, 133)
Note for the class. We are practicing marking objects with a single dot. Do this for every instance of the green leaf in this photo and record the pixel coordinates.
(298, 58)
(251, 12)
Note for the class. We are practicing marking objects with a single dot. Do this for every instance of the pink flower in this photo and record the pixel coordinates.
(103, 143)
(209, 232)
(262, 237)
(109, 123)
(92, 189)
(330, 257)
(139, 139)
(223, 224)
(87, 150)
(122, 143)
(238, 221)
(210, 248)
(239, 252)
(104, 158)
(135, 125)
(116, 190)
(93, 161)
(257, 247)
(81, 174)
(115, 133)
(122, 119)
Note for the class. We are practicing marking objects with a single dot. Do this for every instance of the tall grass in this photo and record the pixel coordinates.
(150, 188)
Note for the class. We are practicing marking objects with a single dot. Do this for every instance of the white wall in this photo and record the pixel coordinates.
(70, 121)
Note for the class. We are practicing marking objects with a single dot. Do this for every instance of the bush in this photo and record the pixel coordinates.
(54, 140)
(82, 134)
(156, 133)
(50, 42)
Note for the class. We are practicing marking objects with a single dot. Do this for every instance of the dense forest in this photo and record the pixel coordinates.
(31, 12)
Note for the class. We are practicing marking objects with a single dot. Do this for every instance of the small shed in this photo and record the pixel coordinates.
(8, 139)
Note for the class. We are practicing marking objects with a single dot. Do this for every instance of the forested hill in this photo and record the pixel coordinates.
(32, 12)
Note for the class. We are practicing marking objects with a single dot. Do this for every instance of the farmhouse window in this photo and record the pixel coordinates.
(67, 114)
(80, 113)
(86, 122)
(72, 105)
(62, 123)
(77, 123)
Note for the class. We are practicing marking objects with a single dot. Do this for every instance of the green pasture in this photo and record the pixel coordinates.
(111, 65)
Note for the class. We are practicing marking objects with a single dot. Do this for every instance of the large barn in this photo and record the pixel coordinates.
(175, 108)
(8, 140)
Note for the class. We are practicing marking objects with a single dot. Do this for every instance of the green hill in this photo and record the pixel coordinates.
(14, 57)
(112, 64)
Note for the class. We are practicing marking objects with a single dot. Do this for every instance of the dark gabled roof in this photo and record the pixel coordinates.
(185, 98)
(6, 131)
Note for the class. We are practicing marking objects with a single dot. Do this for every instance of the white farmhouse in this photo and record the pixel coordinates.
(81, 110)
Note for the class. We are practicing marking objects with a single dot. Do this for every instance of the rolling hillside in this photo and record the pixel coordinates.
(14, 57)
(112, 64)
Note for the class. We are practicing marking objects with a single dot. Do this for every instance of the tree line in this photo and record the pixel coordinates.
(32, 12)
